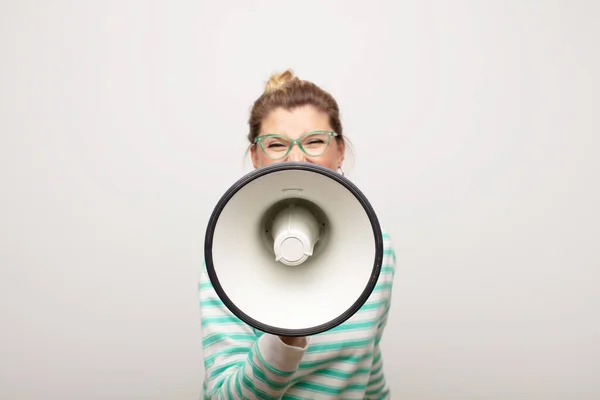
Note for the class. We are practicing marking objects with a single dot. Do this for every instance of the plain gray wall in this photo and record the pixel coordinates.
(476, 134)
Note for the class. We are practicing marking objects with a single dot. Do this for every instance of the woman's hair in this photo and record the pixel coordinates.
(285, 90)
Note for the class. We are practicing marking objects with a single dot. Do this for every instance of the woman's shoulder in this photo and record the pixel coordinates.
(389, 250)
(386, 234)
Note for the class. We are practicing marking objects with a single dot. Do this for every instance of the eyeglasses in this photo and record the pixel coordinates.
(313, 144)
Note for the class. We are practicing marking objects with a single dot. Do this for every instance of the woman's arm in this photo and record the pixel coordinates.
(377, 388)
(237, 363)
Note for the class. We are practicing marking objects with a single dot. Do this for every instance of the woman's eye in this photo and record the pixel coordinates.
(273, 145)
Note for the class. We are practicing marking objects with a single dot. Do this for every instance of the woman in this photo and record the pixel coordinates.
(345, 362)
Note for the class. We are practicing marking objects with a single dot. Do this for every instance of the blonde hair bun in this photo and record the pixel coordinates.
(277, 80)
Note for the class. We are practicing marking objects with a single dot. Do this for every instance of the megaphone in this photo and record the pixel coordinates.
(293, 249)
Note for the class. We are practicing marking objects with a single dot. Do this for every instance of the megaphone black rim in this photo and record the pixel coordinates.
(262, 171)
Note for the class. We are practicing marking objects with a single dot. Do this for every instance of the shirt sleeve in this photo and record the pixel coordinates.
(237, 363)
(377, 387)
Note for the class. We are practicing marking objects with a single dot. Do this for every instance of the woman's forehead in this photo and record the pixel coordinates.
(295, 122)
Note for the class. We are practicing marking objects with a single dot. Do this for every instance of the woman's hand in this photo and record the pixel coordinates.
(293, 341)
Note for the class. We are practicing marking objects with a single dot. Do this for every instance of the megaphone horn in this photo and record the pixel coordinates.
(293, 249)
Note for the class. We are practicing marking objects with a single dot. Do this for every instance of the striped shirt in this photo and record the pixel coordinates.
(344, 362)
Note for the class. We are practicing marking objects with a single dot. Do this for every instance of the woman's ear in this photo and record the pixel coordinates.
(254, 156)
(341, 150)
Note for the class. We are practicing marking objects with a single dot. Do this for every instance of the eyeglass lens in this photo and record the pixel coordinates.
(313, 145)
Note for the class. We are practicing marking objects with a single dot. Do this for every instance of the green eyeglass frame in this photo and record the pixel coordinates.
(259, 140)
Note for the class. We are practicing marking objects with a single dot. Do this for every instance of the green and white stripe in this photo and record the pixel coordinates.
(344, 362)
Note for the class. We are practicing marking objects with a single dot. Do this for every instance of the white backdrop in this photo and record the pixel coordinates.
(122, 122)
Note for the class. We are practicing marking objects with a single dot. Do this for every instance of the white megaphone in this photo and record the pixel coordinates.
(293, 249)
